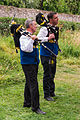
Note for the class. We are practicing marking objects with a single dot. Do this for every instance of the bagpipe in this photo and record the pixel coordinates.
(42, 21)
(17, 30)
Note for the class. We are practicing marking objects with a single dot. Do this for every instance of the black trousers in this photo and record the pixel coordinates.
(31, 92)
(48, 77)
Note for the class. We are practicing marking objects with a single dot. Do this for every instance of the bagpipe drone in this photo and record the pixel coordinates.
(16, 31)
(42, 21)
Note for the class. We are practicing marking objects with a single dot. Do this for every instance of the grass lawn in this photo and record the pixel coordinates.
(67, 80)
(65, 107)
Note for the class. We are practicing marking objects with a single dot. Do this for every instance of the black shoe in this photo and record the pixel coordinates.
(49, 99)
(38, 111)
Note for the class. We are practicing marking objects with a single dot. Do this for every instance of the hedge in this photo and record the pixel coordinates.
(6, 21)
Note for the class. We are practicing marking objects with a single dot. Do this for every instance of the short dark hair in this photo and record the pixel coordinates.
(50, 15)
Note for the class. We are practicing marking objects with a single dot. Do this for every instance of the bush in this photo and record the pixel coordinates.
(6, 21)
(69, 43)
(5, 24)
(67, 25)
(66, 30)
(70, 50)
(21, 3)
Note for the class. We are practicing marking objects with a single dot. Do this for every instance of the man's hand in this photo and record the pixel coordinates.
(51, 36)
(34, 37)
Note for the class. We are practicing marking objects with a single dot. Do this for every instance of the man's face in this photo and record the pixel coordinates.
(54, 20)
(34, 26)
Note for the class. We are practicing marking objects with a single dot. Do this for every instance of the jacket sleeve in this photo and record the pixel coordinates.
(26, 44)
(42, 34)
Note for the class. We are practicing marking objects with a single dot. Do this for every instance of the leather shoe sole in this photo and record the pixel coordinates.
(38, 111)
(49, 99)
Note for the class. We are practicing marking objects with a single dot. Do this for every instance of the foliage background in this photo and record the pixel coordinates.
(61, 6)
(67, 102)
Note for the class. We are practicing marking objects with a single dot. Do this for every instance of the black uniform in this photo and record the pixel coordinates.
(29, 62)
(49, 62)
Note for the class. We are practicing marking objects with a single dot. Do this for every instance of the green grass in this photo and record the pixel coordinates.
(67, 102)
(65, 107)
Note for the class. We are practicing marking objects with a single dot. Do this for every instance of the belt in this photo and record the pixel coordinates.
(52, 41)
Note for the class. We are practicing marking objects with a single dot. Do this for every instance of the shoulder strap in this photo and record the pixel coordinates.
(25, 33)
(48, 31)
